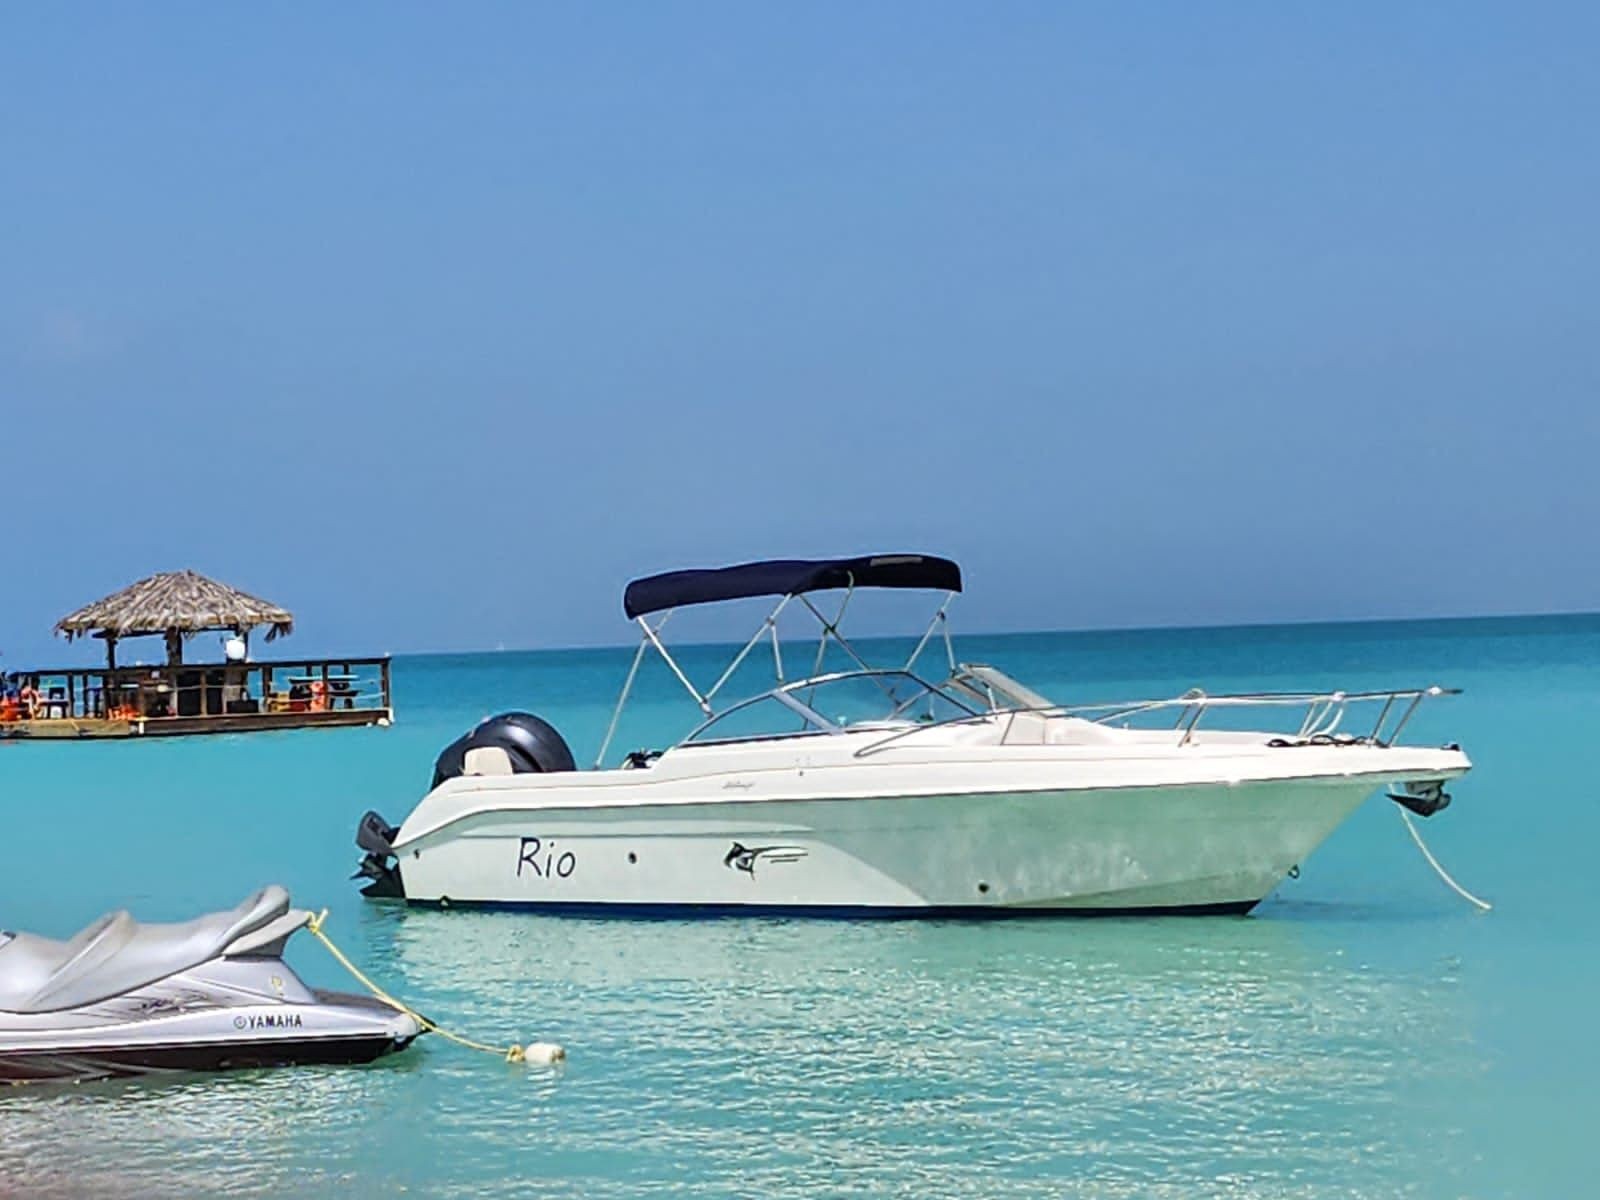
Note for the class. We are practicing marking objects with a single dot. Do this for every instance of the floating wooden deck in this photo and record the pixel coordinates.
(195, 698)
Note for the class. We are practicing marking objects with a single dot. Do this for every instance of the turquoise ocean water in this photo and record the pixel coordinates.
(1363, 1033)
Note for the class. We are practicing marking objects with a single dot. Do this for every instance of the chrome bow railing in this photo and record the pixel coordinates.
(1325, 712)
(1324, 715)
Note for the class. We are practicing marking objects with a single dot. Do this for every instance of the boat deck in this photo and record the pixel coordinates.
(197, 698)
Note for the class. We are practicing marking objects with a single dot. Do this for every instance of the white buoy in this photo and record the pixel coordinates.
(543, 1054)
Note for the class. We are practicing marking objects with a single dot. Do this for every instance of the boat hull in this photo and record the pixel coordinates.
(102, 1042)
(112, 1061)
(1208, 848)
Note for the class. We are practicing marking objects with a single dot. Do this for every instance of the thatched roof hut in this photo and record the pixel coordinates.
(177, 604)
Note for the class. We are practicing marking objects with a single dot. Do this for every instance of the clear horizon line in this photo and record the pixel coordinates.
(1085, 629)
(1175, 628)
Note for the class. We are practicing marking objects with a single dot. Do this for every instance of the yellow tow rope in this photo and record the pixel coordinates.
(513, 1053)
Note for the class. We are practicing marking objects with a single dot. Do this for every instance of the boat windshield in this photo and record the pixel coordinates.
(991, 688)
(832, 704)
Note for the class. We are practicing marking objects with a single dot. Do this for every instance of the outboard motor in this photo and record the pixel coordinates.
(376, 836)
(513, 743)
(530, 744)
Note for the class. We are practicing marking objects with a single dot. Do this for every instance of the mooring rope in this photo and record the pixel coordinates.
(512, 1053)
(1411, 828)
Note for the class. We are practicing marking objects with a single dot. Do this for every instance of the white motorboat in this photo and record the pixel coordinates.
(122, 998)
(875, 792)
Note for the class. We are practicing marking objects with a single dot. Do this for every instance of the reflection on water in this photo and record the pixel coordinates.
(1107, 1057)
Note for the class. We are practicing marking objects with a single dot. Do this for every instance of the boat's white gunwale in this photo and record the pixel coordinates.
(497, 801)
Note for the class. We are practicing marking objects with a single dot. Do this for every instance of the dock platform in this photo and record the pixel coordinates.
(186, 699)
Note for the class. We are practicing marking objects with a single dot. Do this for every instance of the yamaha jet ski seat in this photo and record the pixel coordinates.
(116, 954)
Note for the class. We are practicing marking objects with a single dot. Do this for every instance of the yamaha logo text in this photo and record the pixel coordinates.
(269, 1021)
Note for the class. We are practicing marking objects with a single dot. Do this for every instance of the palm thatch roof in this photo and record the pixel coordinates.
(175, 602)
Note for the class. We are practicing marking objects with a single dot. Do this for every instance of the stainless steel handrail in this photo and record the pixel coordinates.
(1324, 712)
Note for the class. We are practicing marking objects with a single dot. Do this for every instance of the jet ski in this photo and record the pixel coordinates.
(212, 994)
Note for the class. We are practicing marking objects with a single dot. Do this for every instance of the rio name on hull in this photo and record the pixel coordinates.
(1211, 849)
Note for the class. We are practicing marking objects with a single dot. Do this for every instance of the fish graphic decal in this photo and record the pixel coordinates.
(744, 858)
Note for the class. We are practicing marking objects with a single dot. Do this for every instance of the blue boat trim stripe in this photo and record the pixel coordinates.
(837, 912)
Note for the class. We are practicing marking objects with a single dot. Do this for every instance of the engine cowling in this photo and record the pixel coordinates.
(530, 744)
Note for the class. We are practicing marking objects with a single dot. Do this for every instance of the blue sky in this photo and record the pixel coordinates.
(438, 323)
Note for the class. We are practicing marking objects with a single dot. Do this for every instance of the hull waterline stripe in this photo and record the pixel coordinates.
(836, 912)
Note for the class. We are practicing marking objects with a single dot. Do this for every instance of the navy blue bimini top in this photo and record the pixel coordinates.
(788, 577)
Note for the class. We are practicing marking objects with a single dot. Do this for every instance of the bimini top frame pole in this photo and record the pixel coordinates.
(790, 580)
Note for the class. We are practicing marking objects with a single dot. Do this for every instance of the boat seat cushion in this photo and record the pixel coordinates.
(27, 962)
(117, 954)
(487, 760)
